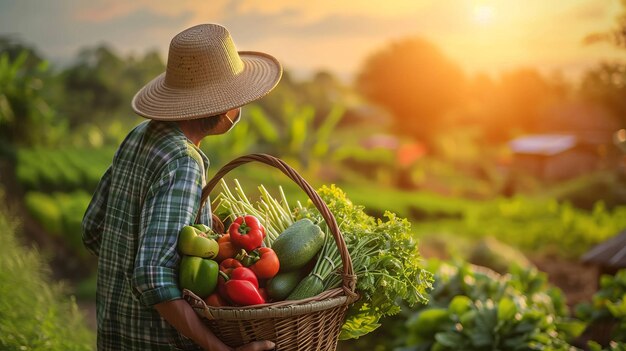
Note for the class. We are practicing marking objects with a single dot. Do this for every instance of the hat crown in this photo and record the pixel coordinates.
(201, 56)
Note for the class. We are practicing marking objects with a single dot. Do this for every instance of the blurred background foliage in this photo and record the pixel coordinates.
(413, 134)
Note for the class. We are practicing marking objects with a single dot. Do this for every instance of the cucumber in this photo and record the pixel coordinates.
(279, 287)
(310, 286)
(298, 244)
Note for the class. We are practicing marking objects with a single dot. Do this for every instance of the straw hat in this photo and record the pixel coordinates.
(206, 76)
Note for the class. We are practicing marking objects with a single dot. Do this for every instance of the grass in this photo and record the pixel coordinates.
(35, 314)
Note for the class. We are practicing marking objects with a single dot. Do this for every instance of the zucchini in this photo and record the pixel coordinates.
(298, 244)
(310, 286)
(279, 287)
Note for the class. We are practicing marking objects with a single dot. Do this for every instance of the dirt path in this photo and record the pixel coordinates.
(577, 280)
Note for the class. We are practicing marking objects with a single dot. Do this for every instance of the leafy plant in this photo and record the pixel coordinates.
(472, 309)
(613, 346)
(607, 309)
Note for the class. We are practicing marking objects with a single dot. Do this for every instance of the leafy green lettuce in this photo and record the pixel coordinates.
(385, 258)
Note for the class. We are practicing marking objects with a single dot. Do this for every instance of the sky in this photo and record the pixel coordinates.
(481, 36)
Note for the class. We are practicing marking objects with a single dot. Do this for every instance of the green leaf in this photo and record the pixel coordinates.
(594, 346)
(429, 321)
(262, 124)
(452, 340)
(357, 326)
(486, 319)
(459, 305)
(617, 308)
(481, 339)
(572, 328)
(506, 309)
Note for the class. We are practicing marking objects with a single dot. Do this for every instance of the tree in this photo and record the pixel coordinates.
(523, 96)
(101, 83)
(91, 85)
(26, 118)
(606, 85)
(616, 36)
(416, 83)
(13, 48)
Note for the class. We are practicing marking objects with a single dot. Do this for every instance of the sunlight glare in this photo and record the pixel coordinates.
(483, 13)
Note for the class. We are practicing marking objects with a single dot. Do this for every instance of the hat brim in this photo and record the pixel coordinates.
(260, 75)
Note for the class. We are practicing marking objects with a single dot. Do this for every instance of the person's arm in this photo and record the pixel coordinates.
(93, 220)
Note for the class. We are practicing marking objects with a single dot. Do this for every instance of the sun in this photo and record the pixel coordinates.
(483, 13)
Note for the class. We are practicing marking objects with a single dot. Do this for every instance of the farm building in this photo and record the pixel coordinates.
(572, 139)
(556, 156)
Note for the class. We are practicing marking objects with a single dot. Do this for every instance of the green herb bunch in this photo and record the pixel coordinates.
(384, 255)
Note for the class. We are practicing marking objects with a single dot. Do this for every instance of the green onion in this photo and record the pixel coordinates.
(274, 215)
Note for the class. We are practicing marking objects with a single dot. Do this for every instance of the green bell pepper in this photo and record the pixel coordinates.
(199, 275)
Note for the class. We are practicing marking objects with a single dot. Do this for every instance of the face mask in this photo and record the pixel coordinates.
(233, 116)
(227, 121)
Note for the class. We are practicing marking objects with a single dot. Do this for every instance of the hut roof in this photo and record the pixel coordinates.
(611, 253)
(543, 144)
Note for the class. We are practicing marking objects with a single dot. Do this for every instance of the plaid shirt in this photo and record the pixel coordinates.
(150, 191)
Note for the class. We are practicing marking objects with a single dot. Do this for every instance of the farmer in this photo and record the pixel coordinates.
(152, 189)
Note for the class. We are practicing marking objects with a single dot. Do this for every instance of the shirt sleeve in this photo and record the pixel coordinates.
(93, 220)
(171, 203)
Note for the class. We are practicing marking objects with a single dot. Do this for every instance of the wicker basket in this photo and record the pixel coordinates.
(310, 324)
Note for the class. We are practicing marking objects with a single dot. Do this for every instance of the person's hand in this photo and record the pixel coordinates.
(257, 346)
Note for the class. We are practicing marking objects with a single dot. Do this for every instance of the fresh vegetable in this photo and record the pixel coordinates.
(242, 287)
(275, 215)
(229, 264)
(262, 261)
(264, 295)
(247, 232)
(385, 258)
(216, 300)
(227, 267)
(311, 285)
(243, 293)
(384, 255)
(202, 227)
(279, 287)
(198, 275)
(242, 273)
(193, 241)
(226, 248)
(298, 244)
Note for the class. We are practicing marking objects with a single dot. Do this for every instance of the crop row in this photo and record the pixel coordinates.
(60, 214)
(531, 224)
(61, 169)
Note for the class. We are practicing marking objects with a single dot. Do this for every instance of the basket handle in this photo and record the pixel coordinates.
(349, 279)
